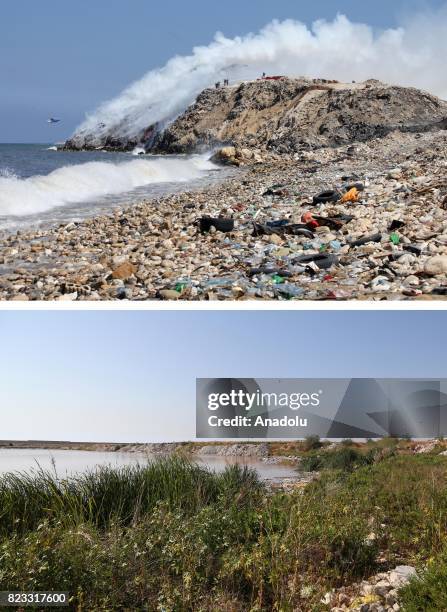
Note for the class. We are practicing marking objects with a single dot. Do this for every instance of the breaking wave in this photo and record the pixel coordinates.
(413, 54)
(85, 182)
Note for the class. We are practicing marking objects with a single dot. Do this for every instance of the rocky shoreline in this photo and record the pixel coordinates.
(268, 452)
(388, 242)
(253, 450)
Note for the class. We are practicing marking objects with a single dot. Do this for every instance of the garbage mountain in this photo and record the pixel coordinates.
(285, 115)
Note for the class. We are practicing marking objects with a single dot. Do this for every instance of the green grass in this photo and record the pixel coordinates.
(428, 592)
(115, 495)
(173, 536)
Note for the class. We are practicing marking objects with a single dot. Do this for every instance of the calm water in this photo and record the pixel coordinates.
(40, 186)
(75, 462)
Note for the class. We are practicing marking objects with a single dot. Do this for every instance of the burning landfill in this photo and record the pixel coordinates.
(329, 192)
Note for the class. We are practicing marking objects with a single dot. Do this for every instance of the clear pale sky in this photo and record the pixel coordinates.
(64, 58)
(130, 375)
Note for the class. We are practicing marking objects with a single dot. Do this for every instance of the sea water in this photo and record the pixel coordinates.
(40, 185)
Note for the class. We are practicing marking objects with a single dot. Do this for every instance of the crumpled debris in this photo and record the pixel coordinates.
(350, 196)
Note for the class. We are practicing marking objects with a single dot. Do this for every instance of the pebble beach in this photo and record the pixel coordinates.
(155, 249)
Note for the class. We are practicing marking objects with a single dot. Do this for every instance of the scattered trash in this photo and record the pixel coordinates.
(323, 261)
(276, 190)
(365, 237)
(220, 224)
(219, 282)
(358, 185)
(269, 271)
(298, 230)
(335, 244)
(412, 248)
(280, 223)
(278, 280)
(327, 196)
(344, 218)
(337, 295)
(289, 290)
(330, 222)
(281, 228)
(351, 196)
(238, 207)
(396, 224)
(180, 287)
(309, 220)
(307, 217)
(366, 240)
(334, 223)
(312, 268)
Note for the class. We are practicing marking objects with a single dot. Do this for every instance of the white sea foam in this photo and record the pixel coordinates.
(413, 54)
(138, 151)
(86, 182)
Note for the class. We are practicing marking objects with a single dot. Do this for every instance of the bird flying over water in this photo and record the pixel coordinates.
(53, 120)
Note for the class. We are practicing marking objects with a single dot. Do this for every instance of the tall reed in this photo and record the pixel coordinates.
(120, 495)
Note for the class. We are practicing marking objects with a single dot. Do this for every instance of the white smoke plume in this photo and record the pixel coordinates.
(412, 54)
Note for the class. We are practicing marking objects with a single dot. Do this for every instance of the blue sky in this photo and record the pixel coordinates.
(64, 58)
(130, 376)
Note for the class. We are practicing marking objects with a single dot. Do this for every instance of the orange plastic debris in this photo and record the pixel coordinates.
(351, 196)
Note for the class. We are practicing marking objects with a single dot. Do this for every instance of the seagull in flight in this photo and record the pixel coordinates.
(53, 120)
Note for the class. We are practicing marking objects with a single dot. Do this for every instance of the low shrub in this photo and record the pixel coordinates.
(311, 443)
(347, 442)
(428, 592)
(344, 458)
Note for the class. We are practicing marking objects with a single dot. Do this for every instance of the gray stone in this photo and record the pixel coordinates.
(169, 294)
(436, 265)
(401, 575)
